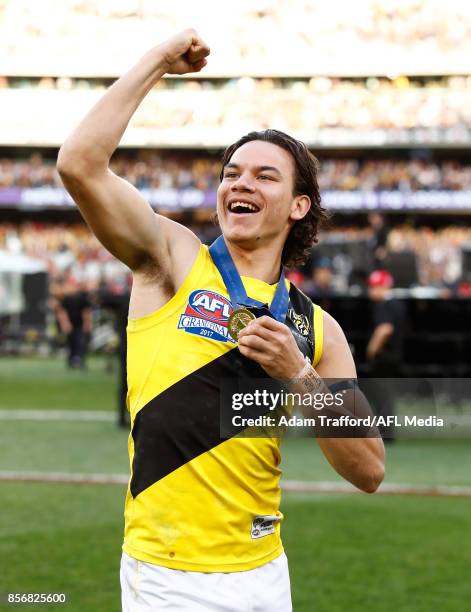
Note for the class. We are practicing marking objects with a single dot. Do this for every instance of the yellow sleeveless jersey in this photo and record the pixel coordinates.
(195, 501)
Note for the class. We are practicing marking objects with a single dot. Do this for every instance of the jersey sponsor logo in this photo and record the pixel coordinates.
(207, 314)
(263, 526)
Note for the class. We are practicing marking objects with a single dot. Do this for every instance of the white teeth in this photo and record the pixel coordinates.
(245, 205)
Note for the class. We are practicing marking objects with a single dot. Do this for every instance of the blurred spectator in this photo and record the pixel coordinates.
(321, 285)
(74, 316)
(379, 240)
(385, 346)
(438, 252)
(118, 303)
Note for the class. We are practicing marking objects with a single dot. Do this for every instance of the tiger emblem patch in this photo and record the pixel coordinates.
(300, 321)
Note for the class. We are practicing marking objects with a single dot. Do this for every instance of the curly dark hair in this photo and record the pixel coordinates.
(304, 232)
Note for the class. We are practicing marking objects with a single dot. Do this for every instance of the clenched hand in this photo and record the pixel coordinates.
(185, 52)
(271, 344)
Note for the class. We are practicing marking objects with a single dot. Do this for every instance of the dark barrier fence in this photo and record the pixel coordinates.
(436, 334)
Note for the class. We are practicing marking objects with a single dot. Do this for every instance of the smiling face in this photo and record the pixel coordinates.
(255, 201)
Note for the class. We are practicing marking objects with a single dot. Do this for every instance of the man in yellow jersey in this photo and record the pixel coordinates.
(202, 518)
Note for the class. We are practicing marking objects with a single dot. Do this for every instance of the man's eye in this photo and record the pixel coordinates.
(230, 175)
(265, 176)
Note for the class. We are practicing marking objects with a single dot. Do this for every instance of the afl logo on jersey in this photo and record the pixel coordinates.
(210, 305)
(206, 314)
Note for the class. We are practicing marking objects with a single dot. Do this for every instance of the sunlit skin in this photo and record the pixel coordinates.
(261, 173)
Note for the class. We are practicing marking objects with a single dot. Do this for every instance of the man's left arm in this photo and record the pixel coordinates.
(359, 460)
(271, 344)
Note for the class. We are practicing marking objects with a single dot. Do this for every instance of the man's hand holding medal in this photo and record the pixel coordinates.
(272, 345)
(262, 337)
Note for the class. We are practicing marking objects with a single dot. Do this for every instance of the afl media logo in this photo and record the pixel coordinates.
(206, 314)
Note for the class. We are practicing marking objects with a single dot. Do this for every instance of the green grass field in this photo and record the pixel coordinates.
(346, 551)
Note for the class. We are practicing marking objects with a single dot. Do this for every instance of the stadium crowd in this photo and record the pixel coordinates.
(71, 252)
(181, 171)
(316, 29)
(291, 104)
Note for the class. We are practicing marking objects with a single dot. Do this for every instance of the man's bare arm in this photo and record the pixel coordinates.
(271, 344)
(359, 460)
(115, 211)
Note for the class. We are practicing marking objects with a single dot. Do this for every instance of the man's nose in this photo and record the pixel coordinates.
(243, 183)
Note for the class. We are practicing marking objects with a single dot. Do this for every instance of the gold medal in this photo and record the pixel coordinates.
(239, 319)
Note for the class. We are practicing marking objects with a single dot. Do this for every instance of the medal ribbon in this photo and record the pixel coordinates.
(224, 263)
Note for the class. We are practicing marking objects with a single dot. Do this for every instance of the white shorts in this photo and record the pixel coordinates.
(146, 587)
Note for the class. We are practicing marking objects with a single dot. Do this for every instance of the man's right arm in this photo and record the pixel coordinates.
(115, 211)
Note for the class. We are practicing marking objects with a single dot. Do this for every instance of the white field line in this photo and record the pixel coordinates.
(387, 488)
(287, 485)
(58, 415)
(63, 477)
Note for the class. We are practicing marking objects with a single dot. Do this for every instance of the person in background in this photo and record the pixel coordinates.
(116, 299)
(379, 240)
(384, 350)
(320, 286)
(74, 315)
(322, 280)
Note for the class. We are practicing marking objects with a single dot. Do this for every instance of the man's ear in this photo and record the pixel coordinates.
(300, 207)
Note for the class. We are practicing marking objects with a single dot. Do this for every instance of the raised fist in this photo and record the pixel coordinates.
(185, 52)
